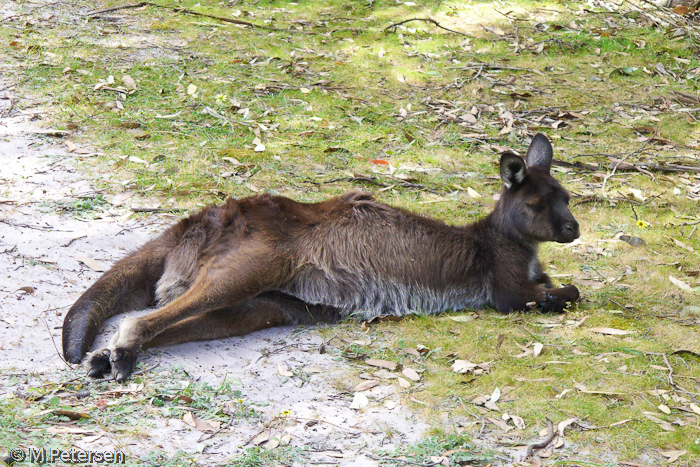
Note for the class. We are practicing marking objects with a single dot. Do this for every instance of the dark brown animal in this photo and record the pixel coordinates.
(266, 261)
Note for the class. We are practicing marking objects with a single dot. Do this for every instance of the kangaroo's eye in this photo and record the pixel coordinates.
(538, 206)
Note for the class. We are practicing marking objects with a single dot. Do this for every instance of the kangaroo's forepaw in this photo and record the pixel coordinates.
(556, 299)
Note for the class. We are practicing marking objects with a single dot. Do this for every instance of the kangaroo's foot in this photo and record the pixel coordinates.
(119, 357)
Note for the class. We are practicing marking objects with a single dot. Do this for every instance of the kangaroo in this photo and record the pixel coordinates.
(266, 261)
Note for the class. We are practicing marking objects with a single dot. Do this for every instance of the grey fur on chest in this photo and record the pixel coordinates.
(534, 269)
(365, 297)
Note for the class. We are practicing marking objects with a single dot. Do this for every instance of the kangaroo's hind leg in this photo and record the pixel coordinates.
(222, 282)
(129, 285)
(261, 312)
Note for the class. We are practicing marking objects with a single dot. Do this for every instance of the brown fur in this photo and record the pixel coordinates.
(267, 260)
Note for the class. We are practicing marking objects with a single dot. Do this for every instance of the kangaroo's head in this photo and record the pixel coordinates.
(533, 205)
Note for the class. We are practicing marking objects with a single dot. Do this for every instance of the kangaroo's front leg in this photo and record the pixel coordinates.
(549, 300)
(556, 299)
(221, 283)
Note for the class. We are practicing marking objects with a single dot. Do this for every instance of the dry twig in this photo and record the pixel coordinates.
(427, 20)
(543, 443)
(196, 13)
(628, 155)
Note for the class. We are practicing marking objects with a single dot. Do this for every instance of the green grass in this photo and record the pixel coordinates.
(327, 102)
(456, 448)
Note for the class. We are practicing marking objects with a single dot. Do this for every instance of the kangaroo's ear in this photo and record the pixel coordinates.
(512, 170)
(539, 154)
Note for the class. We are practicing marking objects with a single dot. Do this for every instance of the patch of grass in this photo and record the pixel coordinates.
(36, 407)
(261, 457)
(85, 208)
(456, 448)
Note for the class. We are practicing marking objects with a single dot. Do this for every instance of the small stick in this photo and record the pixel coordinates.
(54, 343)
(195, 13)
(116, 8)
(428, 20)
(633, 153)
(544, 443)
(141, 209)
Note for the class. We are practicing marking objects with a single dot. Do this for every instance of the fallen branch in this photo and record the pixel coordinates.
(577, 166)
(673, 168)
(406, 462)
(116, 8)
(35, 227)
(427, 20)
(555, 41)
(196, 13)
(633, 153)
(142, 209)
(543, 443)
(374, 181)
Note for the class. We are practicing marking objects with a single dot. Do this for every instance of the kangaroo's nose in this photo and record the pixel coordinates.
(571, 227)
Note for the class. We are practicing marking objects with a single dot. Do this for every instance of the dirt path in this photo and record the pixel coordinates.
(39, 248)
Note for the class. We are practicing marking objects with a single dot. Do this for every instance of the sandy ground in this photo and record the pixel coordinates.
(38, 250)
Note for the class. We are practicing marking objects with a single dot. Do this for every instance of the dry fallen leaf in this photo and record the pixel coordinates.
(695, 408)
(129, 81)
(518, 421)
(673, 455)
(383, 374)
(62, 430)
(366, 385)
(411, 374)
(680, 284)
(499, 423)
(562, 426)
(201, 425)
(464, 318)
(492, 406)
(463, 366)
(261, 438)
(481, 400)
(381, 364)
(137, 160)
(360, 401)
(119, 198)
(664, 425)
(91, 263)
(665, 409)
(283, 370)
(611, 331)
(272, 444)
(621, 422)
(537, 349)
